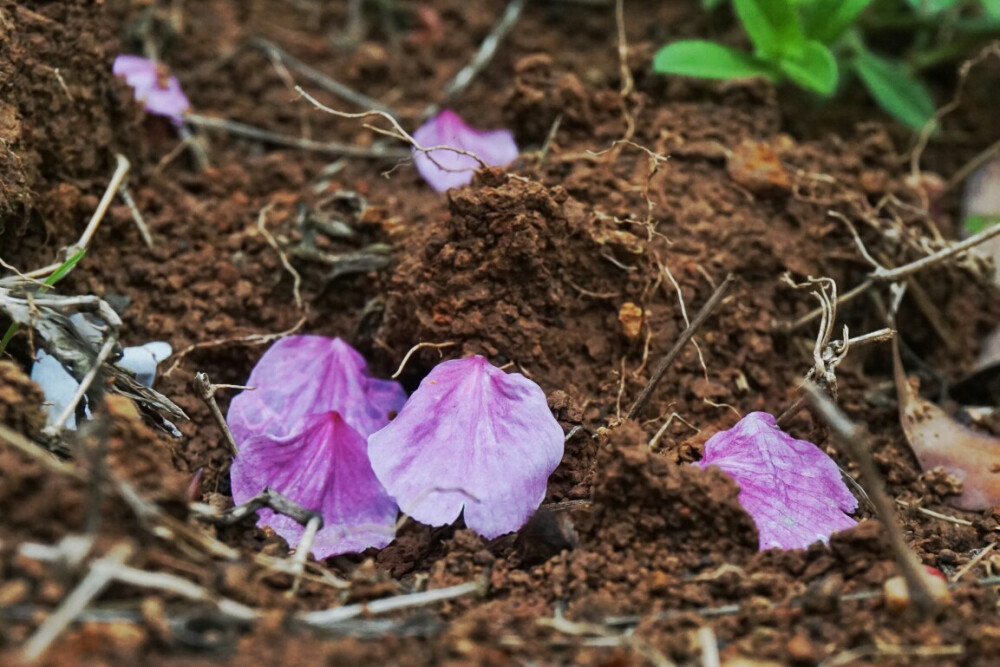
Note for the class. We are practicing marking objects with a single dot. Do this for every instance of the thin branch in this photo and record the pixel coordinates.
(100, 575)
(419, 346)
(140, 222)
(267, 136)
(706, 311)
(268, 498)
(252, 339)
(206, 391)
(397, 132)
(882, 274)
(322, 80)
(95, 220)
(330, 617)
(298, 564)
(486, 51)
(851, 436)
(787, 327)
(273, 242)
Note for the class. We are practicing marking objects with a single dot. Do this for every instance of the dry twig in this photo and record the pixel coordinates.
(206, 391)
(851, 436)
(419, 346)
(267, 136)
(486, 51)
(322, 80)
(661, 369)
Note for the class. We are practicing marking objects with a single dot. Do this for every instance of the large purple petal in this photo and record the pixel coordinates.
(325, 468)
(790, 487)
(494, 147)
(161, 95)
(300, 376)
(470, 436)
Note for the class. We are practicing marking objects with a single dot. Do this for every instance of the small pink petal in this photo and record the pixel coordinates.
(790, 487)
(160, 95)
(300, 376)
(470, 436)
(323, 468)
(494, 147)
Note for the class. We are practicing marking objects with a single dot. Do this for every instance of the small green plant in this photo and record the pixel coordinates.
(56, 276)
(811, 43)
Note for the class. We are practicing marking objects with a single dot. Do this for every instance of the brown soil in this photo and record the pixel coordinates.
(561, 266)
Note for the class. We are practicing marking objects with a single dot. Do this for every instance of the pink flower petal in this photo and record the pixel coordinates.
(324, 468)
(159, 95)
(300, 376)
(470, 436)
(790, 487)
(494, 147)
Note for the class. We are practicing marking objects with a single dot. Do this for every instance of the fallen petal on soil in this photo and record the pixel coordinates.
(470, 436)
(302, 376)
(159, 92)
(445, 169)
(323, 468)
(790, 487)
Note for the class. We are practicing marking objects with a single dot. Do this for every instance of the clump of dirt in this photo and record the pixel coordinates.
(516, 271)
(87, 111)
(641, 498)
(20, 401)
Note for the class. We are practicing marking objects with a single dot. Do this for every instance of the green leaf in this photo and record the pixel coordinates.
(773, 26)
(991, 8)
(814, 69)
(826, 20)
(709, 60)
(897, 91)
(931, 7)
(66, 267)
(56, 276)
(977, 223)
(709, 5)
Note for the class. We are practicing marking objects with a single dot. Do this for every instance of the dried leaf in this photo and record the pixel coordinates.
(938, 441)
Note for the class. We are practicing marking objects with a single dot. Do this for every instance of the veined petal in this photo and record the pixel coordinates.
(445, 169)
(300, 376)
(790, 487)
(324, 468)
(470, 436)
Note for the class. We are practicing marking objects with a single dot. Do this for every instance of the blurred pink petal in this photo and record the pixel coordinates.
(160, 94)
(790, 487)
(323, 468)
(470, 436)
(494, 147)
(300, 376)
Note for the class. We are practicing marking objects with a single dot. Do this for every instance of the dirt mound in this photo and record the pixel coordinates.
(516, 271)
(62, 112)
(20, 401)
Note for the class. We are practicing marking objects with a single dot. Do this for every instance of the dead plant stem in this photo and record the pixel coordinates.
(661, 369)
(881, 274)
(100, 575)
(267, 136)
(322, 80)
(95, 220)
(206, 391)
(851, 436)
(483, 56)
